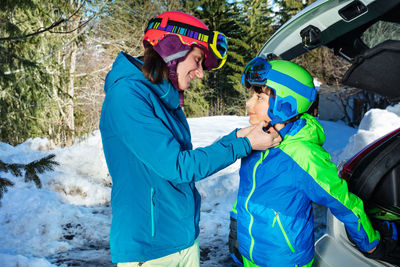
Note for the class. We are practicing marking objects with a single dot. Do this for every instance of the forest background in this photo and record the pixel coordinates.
(55, 54)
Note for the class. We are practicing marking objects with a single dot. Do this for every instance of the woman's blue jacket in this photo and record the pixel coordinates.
(148, 150)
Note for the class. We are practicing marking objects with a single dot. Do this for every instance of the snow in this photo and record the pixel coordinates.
(375, 123)
(66, 222)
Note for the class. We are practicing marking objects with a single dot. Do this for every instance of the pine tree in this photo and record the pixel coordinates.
(257, 22)
(255, 25)
(37, 57)
(22, 81)
(218, 88)
(247, 24)
(289, 8)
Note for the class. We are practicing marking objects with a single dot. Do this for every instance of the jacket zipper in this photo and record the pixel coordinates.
(152, 211)
(276, 218)
(262, 157)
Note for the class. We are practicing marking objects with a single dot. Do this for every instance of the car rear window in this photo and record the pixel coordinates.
(380, 32)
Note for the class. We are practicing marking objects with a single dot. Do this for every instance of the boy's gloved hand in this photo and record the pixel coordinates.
(388, 248)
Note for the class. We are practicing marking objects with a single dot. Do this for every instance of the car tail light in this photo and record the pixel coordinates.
(348, 167)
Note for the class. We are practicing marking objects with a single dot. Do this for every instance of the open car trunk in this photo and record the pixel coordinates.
(374, 174)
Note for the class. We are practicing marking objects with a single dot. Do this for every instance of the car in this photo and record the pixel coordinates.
(349, 28)
(366, 33)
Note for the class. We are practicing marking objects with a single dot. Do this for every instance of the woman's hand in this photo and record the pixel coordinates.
(259, 139)
(244, 131)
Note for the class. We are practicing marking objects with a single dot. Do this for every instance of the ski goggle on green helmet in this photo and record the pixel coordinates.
(293, 86)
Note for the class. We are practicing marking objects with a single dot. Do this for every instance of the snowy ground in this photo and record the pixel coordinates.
(66, 223)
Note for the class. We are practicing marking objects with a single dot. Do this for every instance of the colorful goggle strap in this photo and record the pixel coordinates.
(216, 40)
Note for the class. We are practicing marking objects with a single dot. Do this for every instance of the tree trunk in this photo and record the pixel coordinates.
(69, 109)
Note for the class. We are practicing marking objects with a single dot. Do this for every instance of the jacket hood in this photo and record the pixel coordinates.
(305, 129)
(124, 69)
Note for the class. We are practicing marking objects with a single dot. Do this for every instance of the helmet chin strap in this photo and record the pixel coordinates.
(269, 125)
(266, 128)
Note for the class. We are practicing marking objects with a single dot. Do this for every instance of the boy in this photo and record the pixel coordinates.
(277, 186)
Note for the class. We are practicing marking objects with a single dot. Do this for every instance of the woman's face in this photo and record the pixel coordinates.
(190, 68)
(257, 107)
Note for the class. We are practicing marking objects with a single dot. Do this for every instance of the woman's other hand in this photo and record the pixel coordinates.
(245, 131)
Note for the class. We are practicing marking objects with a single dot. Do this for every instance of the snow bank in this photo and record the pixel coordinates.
(72, 209)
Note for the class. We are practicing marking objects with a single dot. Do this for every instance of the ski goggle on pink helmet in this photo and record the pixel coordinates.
(191, 32)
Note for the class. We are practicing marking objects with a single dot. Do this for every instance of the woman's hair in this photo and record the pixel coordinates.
(154, 68)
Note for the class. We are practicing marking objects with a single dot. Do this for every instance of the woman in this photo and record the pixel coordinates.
(147, 143)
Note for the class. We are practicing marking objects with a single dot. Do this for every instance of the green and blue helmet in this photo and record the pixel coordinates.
(293, 86)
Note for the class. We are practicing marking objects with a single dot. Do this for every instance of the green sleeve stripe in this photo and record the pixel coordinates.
(314, 160)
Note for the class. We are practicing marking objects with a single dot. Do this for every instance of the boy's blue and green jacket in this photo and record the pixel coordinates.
(277, 186)
(148, 150)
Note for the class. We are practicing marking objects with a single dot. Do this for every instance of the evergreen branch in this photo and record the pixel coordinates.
(79, 26)
(64, 46)
(31, 170)
(55, 24)
(42, 165)
(3, 185)
(39, 166)
(30, 175)
(14, 168)
(3, 167)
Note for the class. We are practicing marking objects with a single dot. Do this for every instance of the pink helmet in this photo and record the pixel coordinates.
(172, 34)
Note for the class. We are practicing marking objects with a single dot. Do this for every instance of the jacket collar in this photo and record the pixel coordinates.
(124, 67)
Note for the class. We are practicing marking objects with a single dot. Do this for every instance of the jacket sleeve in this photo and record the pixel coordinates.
(322, 185)
(130, 114)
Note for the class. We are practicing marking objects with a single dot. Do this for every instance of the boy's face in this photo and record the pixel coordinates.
(257, 107)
